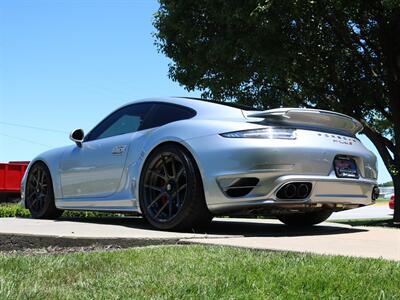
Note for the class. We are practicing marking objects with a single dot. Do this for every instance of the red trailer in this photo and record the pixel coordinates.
(10, 178)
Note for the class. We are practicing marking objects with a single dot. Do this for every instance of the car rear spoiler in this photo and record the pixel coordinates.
(310, 117)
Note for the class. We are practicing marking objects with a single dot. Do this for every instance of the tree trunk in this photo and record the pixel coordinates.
(395, 107)
(391, 47)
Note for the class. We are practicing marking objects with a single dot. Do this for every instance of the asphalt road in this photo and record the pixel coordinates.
(379, 211)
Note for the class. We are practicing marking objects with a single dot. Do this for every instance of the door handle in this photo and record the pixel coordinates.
(118, 150)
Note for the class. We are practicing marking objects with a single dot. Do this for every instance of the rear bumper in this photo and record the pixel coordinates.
(328, 191)
(309, 158)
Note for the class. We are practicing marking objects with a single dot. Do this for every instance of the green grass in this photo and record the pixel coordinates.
(13, 210)
(9, 210)
(382, 200)
(368, 222)
(196, 272)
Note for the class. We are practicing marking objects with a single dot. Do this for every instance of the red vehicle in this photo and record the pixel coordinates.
(10, 179)
(391, 202)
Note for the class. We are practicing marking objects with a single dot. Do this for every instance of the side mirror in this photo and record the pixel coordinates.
(77, 136)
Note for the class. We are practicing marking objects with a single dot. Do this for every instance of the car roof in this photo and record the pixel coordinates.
(206, 109)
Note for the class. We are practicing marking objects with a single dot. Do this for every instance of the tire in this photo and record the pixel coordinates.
(171, 194)
(305, 219)
(39, 194)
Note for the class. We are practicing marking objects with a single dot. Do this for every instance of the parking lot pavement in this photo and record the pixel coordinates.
(327, 238)
(379, 211)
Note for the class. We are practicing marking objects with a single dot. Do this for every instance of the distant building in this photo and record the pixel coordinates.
(386, 192)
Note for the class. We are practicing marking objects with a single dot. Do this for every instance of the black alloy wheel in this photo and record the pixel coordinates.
(39, 195)
(171, 191)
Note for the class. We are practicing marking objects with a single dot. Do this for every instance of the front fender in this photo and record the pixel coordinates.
(51, 159)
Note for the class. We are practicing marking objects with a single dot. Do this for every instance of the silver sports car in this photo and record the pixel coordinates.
(181, 161)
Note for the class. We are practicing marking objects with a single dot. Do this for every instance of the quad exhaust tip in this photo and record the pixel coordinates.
(294, 190)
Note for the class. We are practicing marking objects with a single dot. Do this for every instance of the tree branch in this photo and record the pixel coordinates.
(380, 143)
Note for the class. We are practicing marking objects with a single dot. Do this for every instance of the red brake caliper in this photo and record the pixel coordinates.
(163, 198)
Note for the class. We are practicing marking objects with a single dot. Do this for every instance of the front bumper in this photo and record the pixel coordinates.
(23, 188)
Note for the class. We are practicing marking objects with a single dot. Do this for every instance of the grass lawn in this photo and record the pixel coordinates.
(387, 222)
(9, 210)
(382, 200)
(196, 272)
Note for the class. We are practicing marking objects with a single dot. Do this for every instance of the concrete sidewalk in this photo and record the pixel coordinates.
(370, 243)
(377, 211)
(327, 238)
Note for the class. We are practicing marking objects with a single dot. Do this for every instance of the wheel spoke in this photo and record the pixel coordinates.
(42, 198)
(33, 202)
(31, 194)
(180, 172)
(33, 180)
(154, 173)
(153, 187)
(183, 186)
(161, 209)
(164, 164)
(156, 199)
(178, 200)
(37, 177)
(42, 178)
(173, 167)
(170, 203)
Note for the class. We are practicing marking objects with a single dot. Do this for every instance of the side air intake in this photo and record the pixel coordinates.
(294, 190)
(241, 187)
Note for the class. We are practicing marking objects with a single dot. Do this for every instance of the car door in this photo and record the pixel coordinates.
(95, 169)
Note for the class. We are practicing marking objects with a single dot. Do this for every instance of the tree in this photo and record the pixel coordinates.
(336, 55)
(386, 184)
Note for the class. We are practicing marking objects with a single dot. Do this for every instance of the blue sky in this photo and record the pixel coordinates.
(67, 64)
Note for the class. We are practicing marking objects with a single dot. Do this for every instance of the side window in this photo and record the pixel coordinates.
(164, 113)
(127, 119)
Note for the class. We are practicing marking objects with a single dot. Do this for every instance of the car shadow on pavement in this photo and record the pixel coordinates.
(224, 227)
(250, 228)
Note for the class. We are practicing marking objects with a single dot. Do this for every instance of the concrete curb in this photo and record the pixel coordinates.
(17, 242)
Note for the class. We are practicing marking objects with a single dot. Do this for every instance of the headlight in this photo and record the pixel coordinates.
(263, 133)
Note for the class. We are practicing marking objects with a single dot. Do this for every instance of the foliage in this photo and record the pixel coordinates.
(196, 272)
(15, 210)
(386, 184)
(333, 54)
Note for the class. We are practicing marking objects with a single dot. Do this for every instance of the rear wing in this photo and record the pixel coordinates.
(310, 117)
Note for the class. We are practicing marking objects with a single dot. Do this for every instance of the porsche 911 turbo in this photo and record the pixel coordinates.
(180, 161)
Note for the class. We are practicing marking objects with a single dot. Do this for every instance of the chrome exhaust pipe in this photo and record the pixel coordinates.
(290, 191)
(302, 191)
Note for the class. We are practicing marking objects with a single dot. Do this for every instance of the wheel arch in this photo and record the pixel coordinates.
(180, 144)
(24, 181)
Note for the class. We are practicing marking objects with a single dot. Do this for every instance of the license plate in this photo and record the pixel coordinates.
(345, 167)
